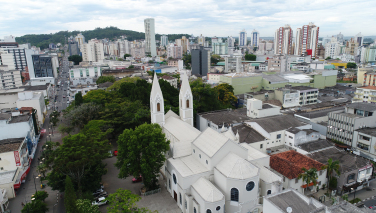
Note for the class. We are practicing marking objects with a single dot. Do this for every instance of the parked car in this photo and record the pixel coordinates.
(115, 152)
(110, 154)
(100, 201)
(136, 180)
(98, 192)
(104, 194)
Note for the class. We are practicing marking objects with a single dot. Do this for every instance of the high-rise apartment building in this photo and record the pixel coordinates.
(80, 39)
(184, 43)
(359, 39)
(220, 48)
(255, 38)
(200, 61)
(332, 48)
(340, 38)
(243, 38)
(283, 40)
(73, 48)
(9, 78)
(174, 51)
(93, 51)
(201, 40)
(307, 40)
(150, 46)
(43, 67)
(164, 40)
(230, 41)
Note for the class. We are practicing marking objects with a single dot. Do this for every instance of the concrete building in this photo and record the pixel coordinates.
(174, 51)
(307, 40)
(220, 48)
(369, 79)
(277, 63)
(340, 38)
(255, 38)
(256, 109)
(359, 39)
(283, 40)
(243, 40)
(85, 71)
(201, 40)
(80, 39)
(44, 66)
(171, 80)
(9, 78)
(365, 94)
(200, 61)
(150, 46)
(230, 41)
(184, 43)
(92, 51)
(360, 74)
(176, 63)
(341, 125)
(164, 40)
(34, 100)
(332, 48)
(16, 58)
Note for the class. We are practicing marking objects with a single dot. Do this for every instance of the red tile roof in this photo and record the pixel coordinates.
(369, 87)
(290, 163)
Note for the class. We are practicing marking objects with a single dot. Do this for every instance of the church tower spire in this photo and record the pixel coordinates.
(157, 103)
(186, 100)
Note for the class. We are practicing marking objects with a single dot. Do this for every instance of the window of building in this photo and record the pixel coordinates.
(278, 136)
(269, 192)
(351, 178)
(250, 186)
(169, 183)
(180, 198)
(320, 173)
(208, 211)
(369, 171)
(199, 155)
(234, 194)
(194, 210)
(174, 178)
(185, 203)
(296, 180)
(206, 161)
(260, 146)
(218, 208)
(158, 107)
(290, 137)
(187, 103)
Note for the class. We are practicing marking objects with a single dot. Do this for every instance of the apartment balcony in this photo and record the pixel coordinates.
(357, 93)
(358, 98)
(372, 95)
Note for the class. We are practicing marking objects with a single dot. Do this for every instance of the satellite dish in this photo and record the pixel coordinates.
(289, 209)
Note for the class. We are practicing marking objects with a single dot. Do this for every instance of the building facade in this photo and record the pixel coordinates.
(10, 78)
(164, 40)
(255, 38)
(174, 51)
(200, 61)
(307, 39)
(92, 51)
(243, 38)
(283, 40)
(150, 46)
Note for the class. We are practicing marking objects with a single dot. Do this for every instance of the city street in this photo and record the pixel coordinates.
(54, 201)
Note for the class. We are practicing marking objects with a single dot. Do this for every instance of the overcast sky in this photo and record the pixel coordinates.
(207, 17)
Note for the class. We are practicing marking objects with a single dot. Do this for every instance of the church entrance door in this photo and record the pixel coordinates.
(175, 196)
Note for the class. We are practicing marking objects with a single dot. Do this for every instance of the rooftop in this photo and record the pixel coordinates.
(226, 116)
(275, 79)
(233, 166)
(290, 163)
(20, 118)
(210, 141)
(188, 166)
(247, 134)
(345, 207)
(5, 116)
(277, 123)
(7, 177)
(167, 77)
(267, 106)
(362, 106)
(37, 87)
(207, 190)
(10, 144)
(300, 88)
(320, 113)
(369, 87)
(296, 201)
(315, 145)
(347, 161)
(368, 131)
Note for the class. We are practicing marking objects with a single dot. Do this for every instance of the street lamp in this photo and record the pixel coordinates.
(50, 137)
(354, 191)
(35, 183)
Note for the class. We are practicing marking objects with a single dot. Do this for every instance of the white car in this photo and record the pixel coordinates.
(100, 201)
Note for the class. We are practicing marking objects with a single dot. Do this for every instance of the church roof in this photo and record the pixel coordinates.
(180, 129)
(181, 149)
(230, 134)
(210, 141)
(269, 176)
(233, 166)
(207, 190)
(171, 113)
(253, 153)
(156, 89)
(187, 166)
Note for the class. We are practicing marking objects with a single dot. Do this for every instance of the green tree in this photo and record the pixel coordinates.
(98, 97)
(351, 65)
(84, 206)
(150, 61)
(70, 196)
(187, 59)
(79, 116)
(131, 67)
(54, 117)
(332, 167)
(40, 195)
(104, 79)
(75, 58)
(309, 176)
(36, 206)
(78, 100)
(124, 201)
(328, 58)
(127, 55)
(226, 95)
(116, 85)
(250, 57)
(141, 152)
(205, 98)
(214, 59)
(254, 49)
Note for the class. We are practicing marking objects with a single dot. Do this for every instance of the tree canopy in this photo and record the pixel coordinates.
(351, 65)
(124, 201)
(104, 79)
(75, 58)
(226, 95)
(250, 57)
(141, 152)
(214, 59)
(35, 206)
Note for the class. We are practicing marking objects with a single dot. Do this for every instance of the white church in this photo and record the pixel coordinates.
(210, 171)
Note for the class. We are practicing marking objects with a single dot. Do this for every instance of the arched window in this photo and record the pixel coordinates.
(269, 192)
(218, 208)
(250, 186)
(180, 198)
(158, 107)
(187, 103)
(208, 211)
(185, 202)
(174, 178)
(234, 194)
(169, 183)
(194, 210)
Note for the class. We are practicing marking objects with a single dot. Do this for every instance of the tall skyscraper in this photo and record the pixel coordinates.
(243, 38)
(201, 40)
(359, 39)
(164, 40)
(340, 38)
(308, 40)
(283, 40)
(230, 41)
(80, 39)
(200, 61)
(255, 38)
(150, 37)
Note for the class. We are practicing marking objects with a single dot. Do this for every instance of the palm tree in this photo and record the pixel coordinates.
(309, 176)
(332, 166)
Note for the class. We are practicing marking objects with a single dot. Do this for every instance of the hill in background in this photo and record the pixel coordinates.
(43, 40)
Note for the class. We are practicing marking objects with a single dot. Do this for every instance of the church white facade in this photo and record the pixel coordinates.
(210, 171)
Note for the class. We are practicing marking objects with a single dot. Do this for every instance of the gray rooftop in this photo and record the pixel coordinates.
(20, 118)
(275, 79)
(247, 134)
(302, 88)
(226, 116)
(346, 207)
(347, 161)
(368, 131)
(362, 106)
(38, 87)
(5, 116)
(320, 113)
(267, 106)
(105, 84)
(315, 145)
(290, 198)
(278, 122)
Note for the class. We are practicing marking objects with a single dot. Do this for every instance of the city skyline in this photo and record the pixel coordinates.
(210, 18)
